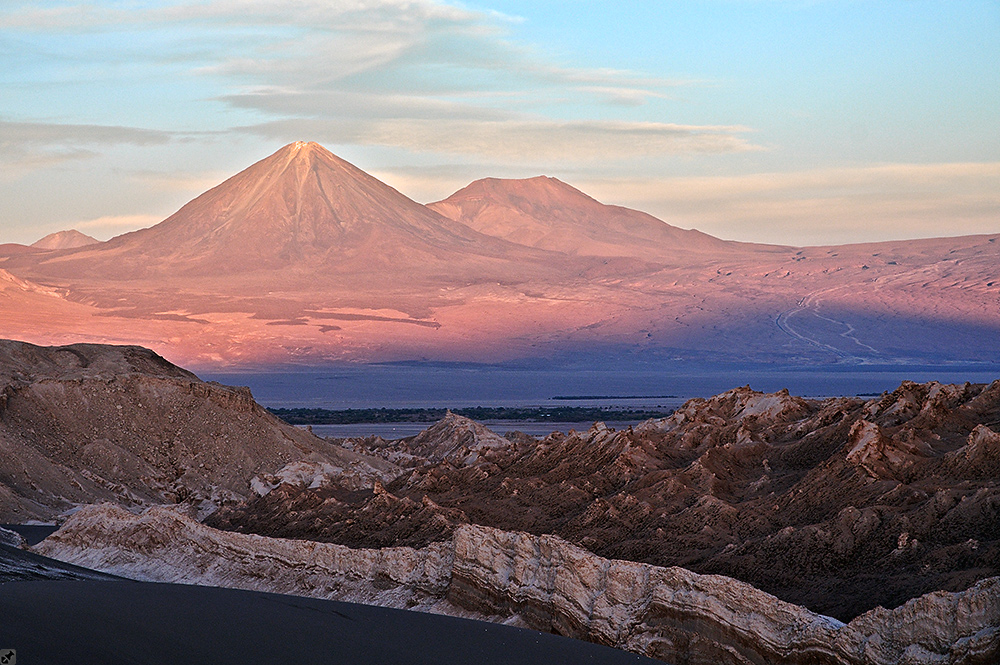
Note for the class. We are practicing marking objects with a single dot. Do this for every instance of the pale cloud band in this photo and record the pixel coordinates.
(112, 225)
(25, 145)
(823, 206)
(418, 75)
(516, 140)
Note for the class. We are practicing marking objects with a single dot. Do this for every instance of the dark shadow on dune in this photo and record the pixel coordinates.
(144, 623)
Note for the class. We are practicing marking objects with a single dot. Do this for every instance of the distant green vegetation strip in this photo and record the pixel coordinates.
(562, 414)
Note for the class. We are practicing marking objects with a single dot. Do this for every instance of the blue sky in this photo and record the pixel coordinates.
(803, 122)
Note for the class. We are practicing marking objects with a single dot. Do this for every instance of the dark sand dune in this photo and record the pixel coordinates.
(145, 623)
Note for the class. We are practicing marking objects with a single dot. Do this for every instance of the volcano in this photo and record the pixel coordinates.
(305, 258)
(546, 213)
(70, 239)
(301, 211)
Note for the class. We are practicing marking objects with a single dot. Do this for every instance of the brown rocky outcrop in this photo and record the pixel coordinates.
(979, 457)
(545, 583)
(839, 505)
(86, 422)
(455, 439)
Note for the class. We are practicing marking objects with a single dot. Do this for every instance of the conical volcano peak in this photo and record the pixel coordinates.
(302, 146)
(302, 208)
(306, 154)
(300, 201)
(306, 150)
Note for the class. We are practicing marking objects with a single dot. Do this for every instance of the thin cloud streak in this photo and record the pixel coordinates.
(32, 145)
(116, 224)
(823, 206)
(194, 183)
(525, 141)
(420, 63)
(86, 16)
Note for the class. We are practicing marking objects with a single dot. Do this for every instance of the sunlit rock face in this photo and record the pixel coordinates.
(86, 423)
(545, 583)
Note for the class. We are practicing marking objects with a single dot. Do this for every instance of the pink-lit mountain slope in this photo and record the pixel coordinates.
(70, 239)
(13, 249)
(304, 213)
(547, 213)
(303, 257)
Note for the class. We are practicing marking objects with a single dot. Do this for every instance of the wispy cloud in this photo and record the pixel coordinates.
(118, 222)
(180, 181)
(421, 75)
(518, 140)
(87, 16)
(25, 145)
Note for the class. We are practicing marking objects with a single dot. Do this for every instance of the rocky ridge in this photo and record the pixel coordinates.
(839, 505)
(545, 583)
(453, 439)
(86, 423)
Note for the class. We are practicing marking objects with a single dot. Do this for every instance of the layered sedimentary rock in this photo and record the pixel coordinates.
(165, 545)
(840, 505)
(13, 539)
(87, 422)
(545, 583)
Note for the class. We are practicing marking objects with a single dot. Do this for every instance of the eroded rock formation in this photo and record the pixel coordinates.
(545, 583)
(86, 423)
(840, 505)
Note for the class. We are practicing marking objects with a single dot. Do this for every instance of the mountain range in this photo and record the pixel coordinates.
(304, 258)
